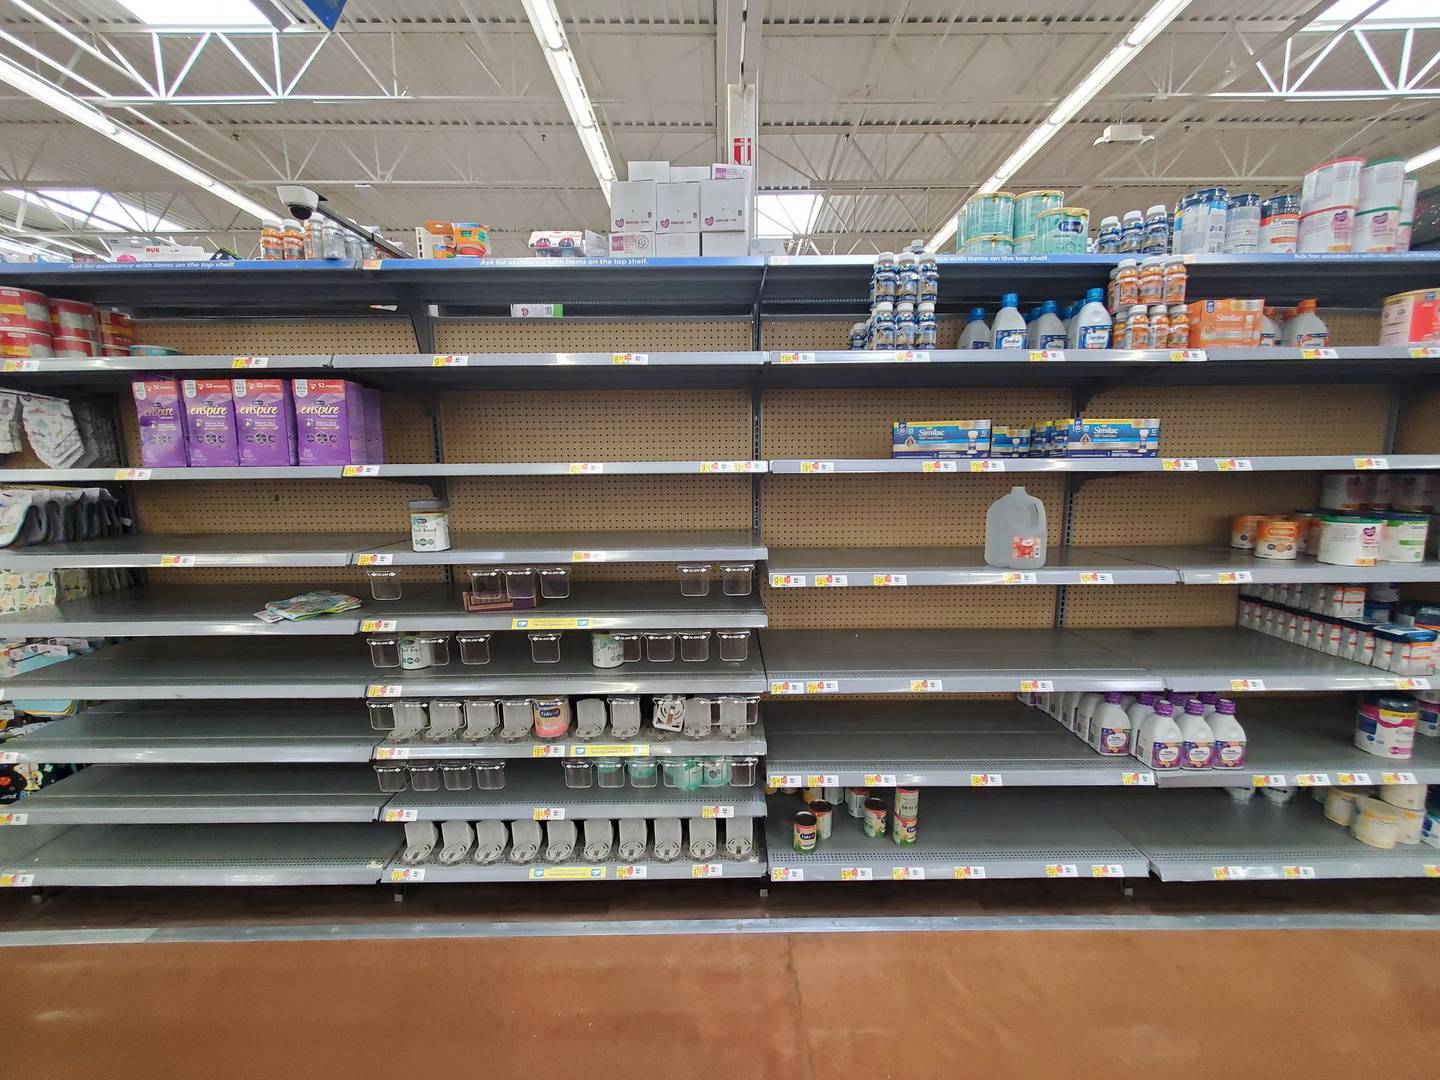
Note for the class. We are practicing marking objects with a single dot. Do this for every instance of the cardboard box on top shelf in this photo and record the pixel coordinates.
(677, 208)
(559, 243)
(1225, 324)
(724, 206)
(636, 245)
(724, 244)
(677, 245)
(724, 171)
(658, 171)
(682, 174)
(632, 206)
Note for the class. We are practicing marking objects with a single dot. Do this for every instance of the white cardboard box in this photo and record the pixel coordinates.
(680, 245)
(633, 244)
(649, 170)
(677, 208)
(723, 171)
(767, 245)
(632, 206)
(724, 206)
(686, 173)
(725, 243)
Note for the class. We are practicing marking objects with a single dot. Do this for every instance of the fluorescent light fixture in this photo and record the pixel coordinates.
(103, 211)
(1420, 161)
(550, 32)
(209, 15)
(75, 109)
(1160, 15)
(1395, 14)
(786, 214)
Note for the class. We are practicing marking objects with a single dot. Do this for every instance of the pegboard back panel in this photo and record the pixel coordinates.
(778, 334)
(1349, 328)
(1419, 427)
(1178, 508)
(894, 510)
(601, 503)
(1125, 606)
(277, 337)
(937, 607)
(599, 425)
(1253, 421)
(178, 508)
(584, 335)
(856, 423)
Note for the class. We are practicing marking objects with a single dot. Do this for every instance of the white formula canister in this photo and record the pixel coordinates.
(1376, 823)
(1405, 796)
(1385, 726)
(1349, 540)
(1345, 491)
(606, 650)
(430, 525)
(1382, 183)
(1417, 493)
(1327, 231)
(1411, 823)
(1340, 804)
(1402, 538)
(1376, 231)
(1331, 184)
(1410, 192)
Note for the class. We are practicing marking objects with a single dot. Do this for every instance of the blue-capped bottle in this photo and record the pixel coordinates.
(976, 334)
(1093, 323)
(1008, 329)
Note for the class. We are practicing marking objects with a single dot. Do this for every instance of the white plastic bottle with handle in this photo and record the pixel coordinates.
(1015, 531)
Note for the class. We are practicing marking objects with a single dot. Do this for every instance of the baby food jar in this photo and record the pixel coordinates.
(430, 524)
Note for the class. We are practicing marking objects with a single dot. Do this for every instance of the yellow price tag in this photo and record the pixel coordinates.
(549, 622)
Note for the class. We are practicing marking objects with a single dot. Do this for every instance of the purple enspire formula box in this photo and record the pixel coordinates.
(265, 420)
(162, 429)
(330, 420)
(210, 422)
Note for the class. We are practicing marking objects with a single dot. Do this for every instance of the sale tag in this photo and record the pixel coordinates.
(831, 581)
(1037, 686)
(787, 686)
(1247, 684)
(1297, 873)
(817, 466)
(713, 869)
(856, 873)
(587, 467)
(1319, 354)
(395, 814)
(548, 813)
(374, 558)
(783, 780)
(1106, 870)
(1425, 352)
(1431, 870)
(550, 622)
(1232, 464)
(371, 264)
(1016, 578)
(1061, 870)
(1096, 579)
(631, 873)
(360, 470)
(1188, 356)
(879, 779)
(787, 581)
(374, 626)
(177, 560)
(132, 474)
(822, 686)
(9, 757)
(717, 811)
(1351, 779)
(937, 466)
(383, 690)
(1138, 779)
(24, 881)
(449, 360)
(907, 873)
(552, 750)
(1268, 780)
(987, 465)
(890, 579)
(392, 753)
(786, 873)
(1412, 683)
(14, 819)
(1227, 873)
(537, 311)
(1312, 779)
(1371, 463)
(407, 873)
(1397, 778)
(587, 556)
(22, 365)
(969, 873)
(1234, 577)
(1179, 464)
(249, 361)
(983, 779)
(926, 686)
(1040, 356)
(568, 873)
(797, 358)
(822, 780)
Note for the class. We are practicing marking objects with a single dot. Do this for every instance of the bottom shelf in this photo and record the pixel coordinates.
(610, 870)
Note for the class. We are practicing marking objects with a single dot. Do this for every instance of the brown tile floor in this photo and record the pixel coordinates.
(1108, 1005)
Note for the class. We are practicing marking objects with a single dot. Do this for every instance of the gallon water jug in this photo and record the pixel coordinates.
(1015, 531)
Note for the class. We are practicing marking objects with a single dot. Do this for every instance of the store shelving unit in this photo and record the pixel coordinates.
(985, 466)
(649, 743)
(648, 869)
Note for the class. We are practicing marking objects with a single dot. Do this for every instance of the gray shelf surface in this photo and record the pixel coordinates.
(859, 567)
(236, 550)
(649, 743)
(1201, 565)
(530, 787)
(192, 475)
(739, 545)
(819, 465)
(153, 669)
(646, 869)
(206, 794)
(989, 834)
(1205, 836)
(253, 854)
(394, 470)
(935, 744)
(215, 733)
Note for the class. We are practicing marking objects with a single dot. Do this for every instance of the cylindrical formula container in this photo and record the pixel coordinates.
(1245, 530)
(1345, 491)
(24, 343)
(1030, 205)
(1376, 232)
(1382, 183)
(1385, 725)
(807, 831)
(1064, 231)
(1331, 184)
(25, 309)
(988, 245)
(824, 818)
(991, 214)
(1402, 537)
(72, 347)
(874, 819)
(907, 802)
(1407, 214)
(71, 318)
(855, 801)
(1417, 493)
(1278, 538)
(1242, 224)
(1349, 540)
(1428, 723)
(1375, 823)
(904, 830)
(1279, 224)
(1200, 220)
(1027, 245)
(606, 650)
(1323, 231)
(1410, 825)
(1405, 796)
(1340, 804)
(430, 524)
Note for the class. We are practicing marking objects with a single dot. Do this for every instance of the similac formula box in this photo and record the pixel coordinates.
(210, 438)
(1131, 437)
(1009, 441)
(1411, 318)
(1220, 324)
(940, 438)
(330, 418)
(265, 422)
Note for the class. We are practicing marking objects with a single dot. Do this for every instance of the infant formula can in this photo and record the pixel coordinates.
(1376, 823)
(1340, 804)
(988, 215)
(1200, 222)
(807, 831)
(855, 801)
(1331, 184)
(1349, 540)
(988, 245)
(1402, 538)
(1327, 230)
(1407, 214)
(1242, 224)
(907, 802)
(874, 819)
(1063, 231)
(1382, 183)
(1385, 725)
(1278, 538)
(1345, 491)
(1245, 531)
(1376, 231)
(1029, 205)
(1279, 224)
(904, 830)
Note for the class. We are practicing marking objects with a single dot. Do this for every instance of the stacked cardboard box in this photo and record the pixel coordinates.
(681, 211)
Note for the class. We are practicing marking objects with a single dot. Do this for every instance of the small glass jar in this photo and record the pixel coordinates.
(384, 584)
(660, 648)
(382, 715)
(743, 771)
(474, 646)
(629, 645)
(714, 772)
(694, 646)
(643, 772)
(487, 585)
(551, 717)
(412, 653)
(436, 649)
(392, 778)
(579, 772)
(457, 775)
(554, 582)
(521, 583)
(384, 650)
(609, 773)
(737, 579)
(734, 644)
(545, 647)
(695, 579)
(425, 777)
(489, 775)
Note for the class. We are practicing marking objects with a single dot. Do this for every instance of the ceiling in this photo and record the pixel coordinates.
(895, 112)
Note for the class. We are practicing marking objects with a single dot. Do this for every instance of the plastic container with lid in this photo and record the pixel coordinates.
(1403, 537)
(1175, 280)
(1385, 725)
(1197, 741)
(1152, 280)
(430, 524)
(1132, 232)
(1015, 533)
(1229, 736)
(1009, 329)
(1376, 823)
(293, 239)
(1157, 231)
(1092, 323)
(976, 334)
(1137, 328)
(1279, 224)
(551, 717)
(1127, 284)
(1349, 539)
(272, 240)
(1107, 240)
(858, 334)
(1269, 329)
(1158, 335)
(1242, 224)
(1306, 330)
(1111, 726)
(1158, 742)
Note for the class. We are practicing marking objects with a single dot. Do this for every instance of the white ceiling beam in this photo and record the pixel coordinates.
(565, 69)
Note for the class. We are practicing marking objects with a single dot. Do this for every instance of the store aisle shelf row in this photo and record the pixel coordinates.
(957, 467)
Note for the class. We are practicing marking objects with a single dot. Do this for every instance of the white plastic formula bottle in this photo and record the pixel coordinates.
(1110, 727)
(1306, 330)
(1009, 328)
(1197, 741)
(1092, 324)
(1140, 710)
(1158, 743)
(1085, 714)
(976, 334)
(1049, 330)
(1229, 736)
(1015, 528)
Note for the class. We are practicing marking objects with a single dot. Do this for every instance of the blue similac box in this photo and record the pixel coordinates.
(940, 438)
(1040, 433)
(1009, 442)
(1110, 438)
